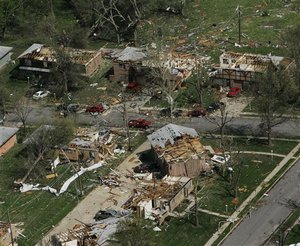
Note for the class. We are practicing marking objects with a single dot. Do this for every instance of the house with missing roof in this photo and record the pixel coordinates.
(8, 138)
(135, 65)
(5, 55)
(178, 151)
(240, 69)
(39, 60)
(156, 199)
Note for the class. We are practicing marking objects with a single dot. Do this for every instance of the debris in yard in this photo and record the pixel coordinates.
(51, 176)
(156, 228)
(91, 234)
(28, 187)
(93, 85)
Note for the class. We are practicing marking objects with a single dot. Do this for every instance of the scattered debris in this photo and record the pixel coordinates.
(28, 187)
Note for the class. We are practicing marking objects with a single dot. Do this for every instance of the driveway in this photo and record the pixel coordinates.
(254, 230)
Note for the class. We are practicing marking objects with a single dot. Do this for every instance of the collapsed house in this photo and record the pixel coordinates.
(178, 151)
(89, 146)
(239, 69)
(156, 199)
(88, 235)
(39, 60)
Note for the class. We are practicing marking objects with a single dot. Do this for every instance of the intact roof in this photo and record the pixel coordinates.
(169, 133)
(4, 50)
(6, 133)
(129, 54)
(32, 48)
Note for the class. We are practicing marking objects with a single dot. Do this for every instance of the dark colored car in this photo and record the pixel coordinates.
(104, 214)
(199, 112)
(95, 109)
(139, 123)
(70, 108)
(166, 112)
(234, 91)
(214, 106)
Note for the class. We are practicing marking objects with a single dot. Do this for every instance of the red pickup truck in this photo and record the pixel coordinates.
(139, 123)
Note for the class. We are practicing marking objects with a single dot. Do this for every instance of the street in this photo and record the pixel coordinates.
(238, 126)
(274, 208)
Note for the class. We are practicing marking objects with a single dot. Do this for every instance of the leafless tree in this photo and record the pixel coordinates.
(162, 76)
(23, 110)
(221, 122)
(275, 88)
(45, 138)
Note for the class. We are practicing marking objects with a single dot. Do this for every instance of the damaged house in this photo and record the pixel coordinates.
(134, 65)
(156, 199)
(39, 59)
(178, 151)
(127, 65)
(239, 69)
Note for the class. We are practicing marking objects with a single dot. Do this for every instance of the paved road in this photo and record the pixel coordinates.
(238, 126)
(254, 230)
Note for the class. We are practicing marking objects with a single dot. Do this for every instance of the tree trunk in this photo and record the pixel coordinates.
(32, 167)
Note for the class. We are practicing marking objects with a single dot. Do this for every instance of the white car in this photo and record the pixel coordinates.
(40, 94)
(220, 159)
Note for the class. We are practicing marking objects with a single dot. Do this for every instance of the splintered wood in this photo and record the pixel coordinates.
(184, 148)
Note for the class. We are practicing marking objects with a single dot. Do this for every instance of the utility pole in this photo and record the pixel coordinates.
(10, 229)
(196, 202)
(238, 10)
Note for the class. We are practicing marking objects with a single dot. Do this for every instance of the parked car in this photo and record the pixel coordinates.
(70, 108)
(40, 94)
(166, 112)
(104, 214)
(220, 159)
(199, 112)
(214, 106)
(95, 109)
(234, 91)
(139, 123)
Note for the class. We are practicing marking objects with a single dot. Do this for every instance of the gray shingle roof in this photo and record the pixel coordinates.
(130, 54)
(169, 133)
(4, 50)
(6, 133)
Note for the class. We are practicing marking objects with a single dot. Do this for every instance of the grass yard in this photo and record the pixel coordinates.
(254, 144)
(214, 196)
(41, 210)
(182, 232)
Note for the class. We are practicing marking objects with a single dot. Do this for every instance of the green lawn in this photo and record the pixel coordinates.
(254, 144)
(182, 232)
(214, 196)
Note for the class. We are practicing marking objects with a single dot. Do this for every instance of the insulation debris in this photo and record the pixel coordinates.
(29, 187)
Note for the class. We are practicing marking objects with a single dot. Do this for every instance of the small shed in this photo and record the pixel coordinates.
(5, 55)
(8, 138)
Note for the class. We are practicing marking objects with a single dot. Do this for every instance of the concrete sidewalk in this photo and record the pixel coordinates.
(236, 214)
